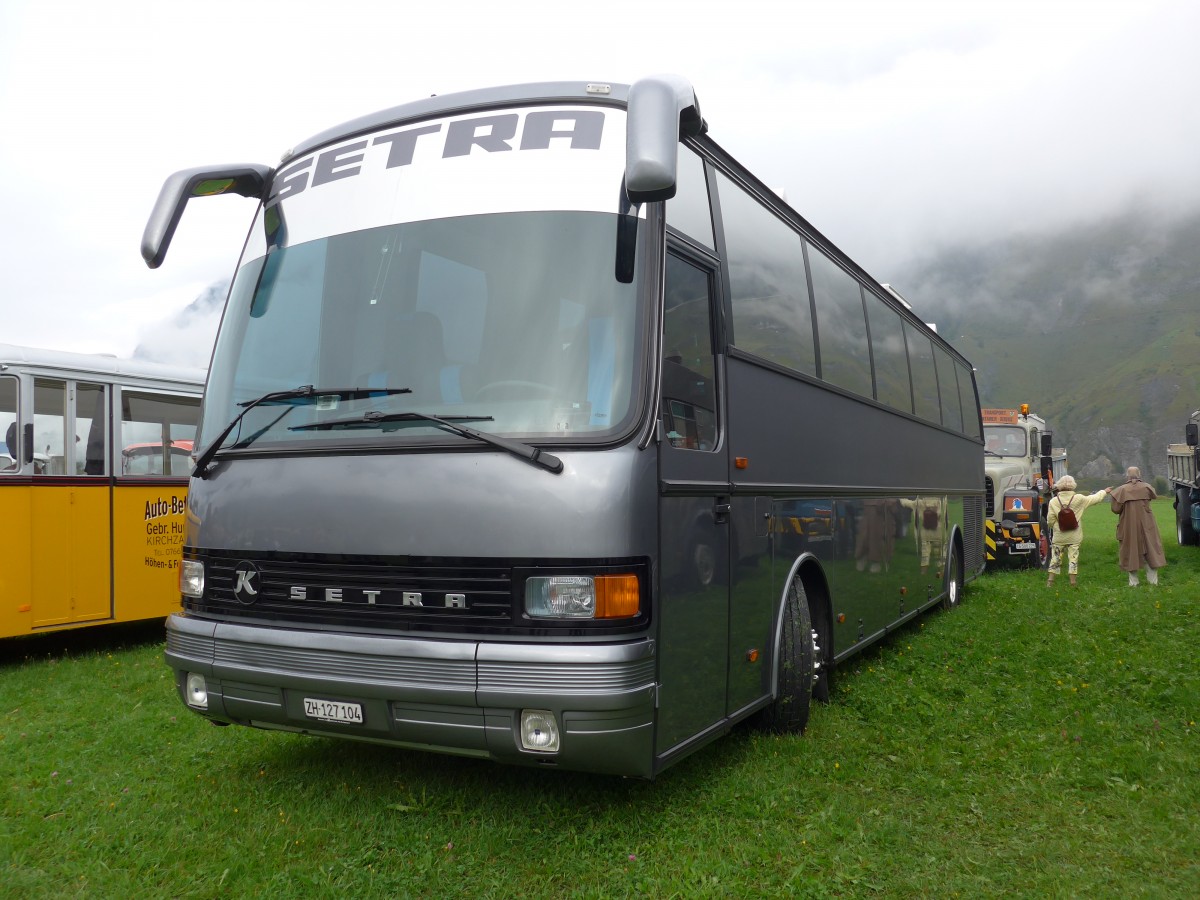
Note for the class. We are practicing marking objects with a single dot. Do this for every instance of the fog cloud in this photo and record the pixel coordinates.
(894, 128)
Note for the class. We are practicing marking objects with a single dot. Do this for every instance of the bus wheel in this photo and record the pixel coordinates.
(822, 634)
(1185, 534)
(788, 712)
(954, 580)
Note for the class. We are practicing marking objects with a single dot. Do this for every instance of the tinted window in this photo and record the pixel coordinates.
(688, 210)
(891, 358)
(924, 376)
(948, 390)
(689, 379)
(841, 327)
(772, 317)
(966, 396)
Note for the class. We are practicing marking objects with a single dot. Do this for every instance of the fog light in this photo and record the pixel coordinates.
(539, 731)
(195, 691)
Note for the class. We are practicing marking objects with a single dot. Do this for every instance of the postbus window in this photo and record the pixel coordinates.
(948, 389)
(157, 433)
(10, 452)
(841, 326)
(689, 370)
(772, 317)
(49, 426)
(91, 429)
(892, 384)
(688, 211)
(924, 376)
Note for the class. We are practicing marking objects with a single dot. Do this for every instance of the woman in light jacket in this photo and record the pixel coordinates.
(1068, 541)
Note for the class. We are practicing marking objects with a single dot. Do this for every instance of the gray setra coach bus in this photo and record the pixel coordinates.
(537, 429)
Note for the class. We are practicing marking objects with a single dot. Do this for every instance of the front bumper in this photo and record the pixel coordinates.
(459, 697)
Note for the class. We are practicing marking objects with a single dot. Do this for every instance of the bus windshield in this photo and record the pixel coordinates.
(510, 318)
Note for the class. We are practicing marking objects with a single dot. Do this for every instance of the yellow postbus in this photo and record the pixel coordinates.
(93, 487)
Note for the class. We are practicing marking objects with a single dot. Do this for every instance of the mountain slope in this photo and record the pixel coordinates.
(1098, 329)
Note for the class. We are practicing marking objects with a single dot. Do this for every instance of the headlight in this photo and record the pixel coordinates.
(191, 578)
(582, 596)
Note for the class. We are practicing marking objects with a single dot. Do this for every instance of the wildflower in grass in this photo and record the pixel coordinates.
(632, 857)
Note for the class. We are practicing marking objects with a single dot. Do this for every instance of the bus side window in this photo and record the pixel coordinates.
(91, 429)
(688, 379)
(10, 451)
(49, 426)
(157, 433)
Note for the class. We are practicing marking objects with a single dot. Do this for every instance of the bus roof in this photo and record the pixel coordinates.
(99, 364)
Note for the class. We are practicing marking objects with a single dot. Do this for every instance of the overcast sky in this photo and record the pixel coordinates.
(893, 127)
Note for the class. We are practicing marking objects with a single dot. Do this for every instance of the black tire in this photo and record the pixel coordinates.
(788, 712)
(1043, 548)
(955, 583)
(1185, 534)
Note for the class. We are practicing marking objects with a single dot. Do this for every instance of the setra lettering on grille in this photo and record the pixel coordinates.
(381, 598)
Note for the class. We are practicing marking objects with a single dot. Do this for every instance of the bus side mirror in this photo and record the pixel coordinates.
(1191, 433)
(1047, 443)
(27, 443)
(248, 180)
(662, 110)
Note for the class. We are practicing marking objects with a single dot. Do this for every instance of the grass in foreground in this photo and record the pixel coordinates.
(1033, 742)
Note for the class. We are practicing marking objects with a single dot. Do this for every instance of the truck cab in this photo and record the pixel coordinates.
(1183, 471)
(1021, 466)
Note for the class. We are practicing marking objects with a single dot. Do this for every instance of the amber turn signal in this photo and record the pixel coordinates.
(617, 596)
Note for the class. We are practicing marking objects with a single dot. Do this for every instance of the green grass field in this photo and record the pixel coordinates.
(1036, 742)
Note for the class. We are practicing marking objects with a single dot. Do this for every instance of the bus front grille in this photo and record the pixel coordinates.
(354, 593)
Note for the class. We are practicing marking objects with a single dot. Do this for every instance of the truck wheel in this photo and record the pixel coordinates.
(788, 712)
(1043, 548)
(1184, 532)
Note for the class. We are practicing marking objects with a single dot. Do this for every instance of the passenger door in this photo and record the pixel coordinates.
(71, 572)
(694, 512)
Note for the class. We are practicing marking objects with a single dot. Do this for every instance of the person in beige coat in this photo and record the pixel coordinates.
(1137, 532)
(1063, 541)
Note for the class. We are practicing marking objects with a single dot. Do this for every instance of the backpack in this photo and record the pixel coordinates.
(1067, 520)
(929, 518)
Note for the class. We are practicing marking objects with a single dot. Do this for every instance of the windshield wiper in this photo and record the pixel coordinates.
(294, 397)
(375, 419)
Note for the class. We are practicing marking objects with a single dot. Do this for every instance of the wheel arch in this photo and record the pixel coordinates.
(813, 579)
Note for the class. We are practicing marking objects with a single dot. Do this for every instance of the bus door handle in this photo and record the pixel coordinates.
(721, 510)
